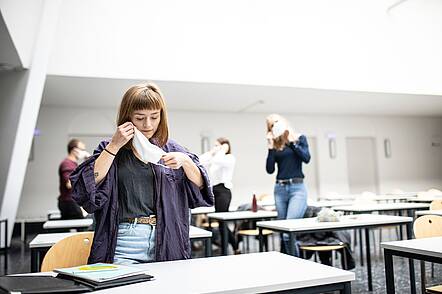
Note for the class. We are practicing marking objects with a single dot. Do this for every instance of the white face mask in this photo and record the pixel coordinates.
(279, 127)
(82, 155)
(148, 151)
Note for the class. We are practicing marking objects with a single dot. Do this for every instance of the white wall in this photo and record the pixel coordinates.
(414, 165)
(22, 18)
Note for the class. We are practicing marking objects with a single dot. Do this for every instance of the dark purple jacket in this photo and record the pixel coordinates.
(175, 194)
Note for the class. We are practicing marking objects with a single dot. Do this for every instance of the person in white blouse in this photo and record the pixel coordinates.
(220, 163)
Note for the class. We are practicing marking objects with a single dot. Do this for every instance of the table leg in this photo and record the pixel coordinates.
(361, 251)
(224, 241)
(291, 248)
(34, 260)
(389, 272)
(423, 279)
(208, 245)
(411, 261)
(367, 250)
(347, 288)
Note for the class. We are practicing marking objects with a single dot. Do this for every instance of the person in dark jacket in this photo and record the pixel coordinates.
(141, 208)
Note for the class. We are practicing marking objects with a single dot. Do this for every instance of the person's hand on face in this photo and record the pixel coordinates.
(175, 160)
(122, 135)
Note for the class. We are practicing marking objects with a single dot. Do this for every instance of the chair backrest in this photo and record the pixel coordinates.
(428, 226)
(436, 204)
(70, 251)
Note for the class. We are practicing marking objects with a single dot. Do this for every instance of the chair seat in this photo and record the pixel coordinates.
(434, 289)
(212, 225)
(254, 232)
(322, 247)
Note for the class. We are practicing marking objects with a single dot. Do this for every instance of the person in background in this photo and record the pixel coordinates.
(220, 162)
(288, 150)
(68, 207)
(140, 186)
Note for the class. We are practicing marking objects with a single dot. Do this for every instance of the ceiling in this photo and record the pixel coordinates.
(209, 97)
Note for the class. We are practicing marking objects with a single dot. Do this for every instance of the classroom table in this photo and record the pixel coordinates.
(360, 221)
(267, 272)
(378, 207)
(42, 242)
(425, 199)
(224, 217)
(67, 224)
(377, 197)
(426, 249)
(429, 212)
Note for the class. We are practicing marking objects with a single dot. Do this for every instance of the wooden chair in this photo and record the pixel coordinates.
(425, 227)
(324, 248)
(70, 251)
(436, 204)
(246, 234)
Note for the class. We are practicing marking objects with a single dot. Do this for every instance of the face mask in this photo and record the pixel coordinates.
(279, 127)
(82, 155)
(147, 151)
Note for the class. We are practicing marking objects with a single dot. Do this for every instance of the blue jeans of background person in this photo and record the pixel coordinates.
(291, 202)
(135, 243)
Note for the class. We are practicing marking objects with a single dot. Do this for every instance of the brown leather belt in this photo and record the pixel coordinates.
(147, 220)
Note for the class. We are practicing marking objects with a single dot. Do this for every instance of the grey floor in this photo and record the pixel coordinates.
(19, 262)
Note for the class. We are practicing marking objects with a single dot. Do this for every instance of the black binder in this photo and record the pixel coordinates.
(61, 284)
(40, 284)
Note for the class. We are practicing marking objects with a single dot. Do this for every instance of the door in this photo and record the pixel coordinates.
(362, 165)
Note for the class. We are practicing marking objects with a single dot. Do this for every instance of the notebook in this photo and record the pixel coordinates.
(100, 272)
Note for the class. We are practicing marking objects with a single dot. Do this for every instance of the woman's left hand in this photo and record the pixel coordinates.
(175, 160)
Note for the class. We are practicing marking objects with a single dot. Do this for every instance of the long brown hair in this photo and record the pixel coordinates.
(146, 96)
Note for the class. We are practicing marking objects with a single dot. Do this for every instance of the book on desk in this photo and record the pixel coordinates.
(78, 279)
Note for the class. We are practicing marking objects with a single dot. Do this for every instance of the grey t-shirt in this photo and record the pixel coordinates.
(135, 186)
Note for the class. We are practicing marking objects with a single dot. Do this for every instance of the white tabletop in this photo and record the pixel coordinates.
(238, 215)
(426, 246)
(429, 212)
(379, 197)
(346, 221)
(427, 199)
(245, 273)
(202, 210)
(69, 223)
(329, 203)
(365, 207)
(47, 240)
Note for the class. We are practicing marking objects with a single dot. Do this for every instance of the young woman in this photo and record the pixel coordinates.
(220, 162)
(288, 151)
(141, 209)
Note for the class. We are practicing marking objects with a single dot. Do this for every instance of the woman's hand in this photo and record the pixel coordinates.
(269, 140)
(122, 135)
(175, 160)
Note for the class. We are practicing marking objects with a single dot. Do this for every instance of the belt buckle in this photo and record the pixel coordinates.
(152, 220)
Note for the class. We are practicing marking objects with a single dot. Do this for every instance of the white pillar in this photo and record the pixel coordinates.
(29, 111)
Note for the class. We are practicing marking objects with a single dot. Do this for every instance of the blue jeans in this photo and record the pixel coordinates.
(135, 244)
(291, 202)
